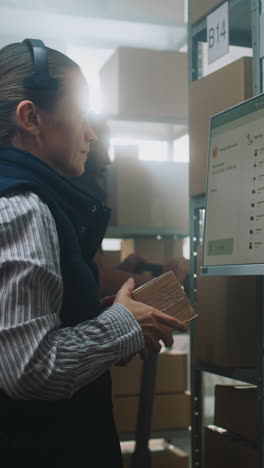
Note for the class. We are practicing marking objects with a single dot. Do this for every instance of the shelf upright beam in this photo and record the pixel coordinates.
(256, 8)
(194, 56)
(260, 60)
(260, 371)
(260, 5)
(196, 33)
(196, 204)
(195, 72)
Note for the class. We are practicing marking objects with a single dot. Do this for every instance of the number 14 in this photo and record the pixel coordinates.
(216, 34)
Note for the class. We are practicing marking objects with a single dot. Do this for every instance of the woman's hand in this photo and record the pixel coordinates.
(155, 325)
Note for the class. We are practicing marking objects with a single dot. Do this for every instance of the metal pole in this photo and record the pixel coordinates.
(257, 7)
(196, 387)
(197, 412)
(142, 457)
(196, 375)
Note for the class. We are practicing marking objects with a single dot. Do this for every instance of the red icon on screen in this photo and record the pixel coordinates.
(215, 151)
(249, 139)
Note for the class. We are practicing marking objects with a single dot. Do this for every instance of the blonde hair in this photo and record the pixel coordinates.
(16, 63)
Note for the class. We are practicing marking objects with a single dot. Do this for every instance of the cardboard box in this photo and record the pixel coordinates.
(163, 455)
(170, 411)
(110, 259)
(112, 175)
(144, 83)
(210, 95)
(236, 409)
(165, 293)
(138, 199)
(224, 449)
(171, 375)
(201, 8)
(126, 379)
(226, 330)
(152, 249)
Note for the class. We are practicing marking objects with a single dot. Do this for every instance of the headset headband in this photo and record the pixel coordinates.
(41, 78)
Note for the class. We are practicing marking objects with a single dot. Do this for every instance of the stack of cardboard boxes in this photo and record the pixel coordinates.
(226, 337)
(210, 95)
(145, 84)
(140, 85)
(137, 197)
(226, 327)
(231, 441)
(171, 403)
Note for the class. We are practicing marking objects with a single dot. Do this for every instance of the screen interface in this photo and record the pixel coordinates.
(234, 223)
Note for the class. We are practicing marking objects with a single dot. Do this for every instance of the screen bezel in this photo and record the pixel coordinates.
(236, 269)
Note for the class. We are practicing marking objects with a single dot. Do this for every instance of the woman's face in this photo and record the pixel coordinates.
(65, 135)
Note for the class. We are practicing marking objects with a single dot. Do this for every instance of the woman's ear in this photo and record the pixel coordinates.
(27, 117)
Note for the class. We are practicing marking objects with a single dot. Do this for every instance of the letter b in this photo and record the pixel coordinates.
(211, 38)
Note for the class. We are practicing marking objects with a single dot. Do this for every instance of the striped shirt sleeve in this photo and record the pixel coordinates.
(39, 360)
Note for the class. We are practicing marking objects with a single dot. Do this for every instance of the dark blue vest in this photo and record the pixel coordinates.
(81, 222)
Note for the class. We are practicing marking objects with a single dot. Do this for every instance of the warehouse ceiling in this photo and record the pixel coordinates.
(156, 24)
(157, 11)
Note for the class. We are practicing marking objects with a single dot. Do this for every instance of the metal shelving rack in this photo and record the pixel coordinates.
(125, 232)
(244, 31)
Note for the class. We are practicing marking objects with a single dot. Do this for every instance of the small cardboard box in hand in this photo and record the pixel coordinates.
(165, 293)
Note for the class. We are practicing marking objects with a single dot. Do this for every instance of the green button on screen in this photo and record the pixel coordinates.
(220, 247)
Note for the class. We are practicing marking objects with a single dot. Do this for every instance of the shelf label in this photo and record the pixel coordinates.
(218, 33)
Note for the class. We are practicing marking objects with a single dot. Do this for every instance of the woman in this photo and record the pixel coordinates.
(56, 342)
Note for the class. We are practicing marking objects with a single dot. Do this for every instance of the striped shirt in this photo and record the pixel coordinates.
(38, 359)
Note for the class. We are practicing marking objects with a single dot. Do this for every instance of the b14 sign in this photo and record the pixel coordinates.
(218, 33)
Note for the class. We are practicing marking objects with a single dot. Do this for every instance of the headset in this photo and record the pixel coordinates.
(41, 79)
